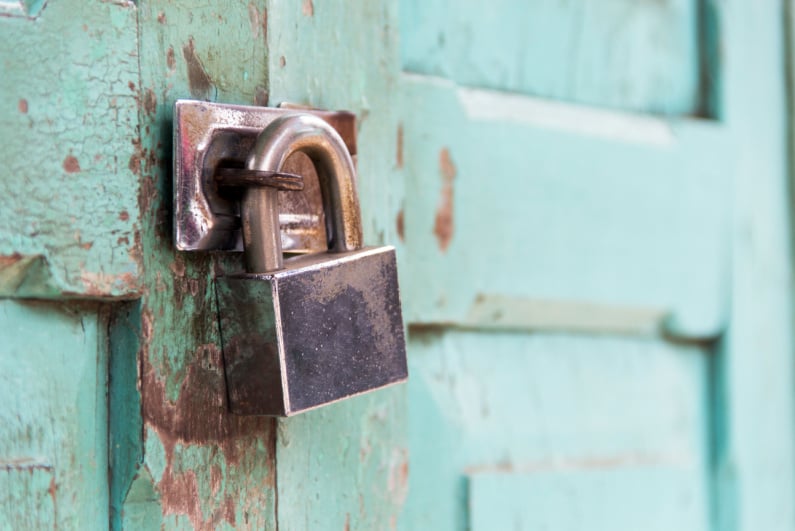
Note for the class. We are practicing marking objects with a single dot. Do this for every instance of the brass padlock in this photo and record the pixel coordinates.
(314, 329)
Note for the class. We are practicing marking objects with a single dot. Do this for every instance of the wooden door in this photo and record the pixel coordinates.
(112, 377)
(590, 206)
(596, 242)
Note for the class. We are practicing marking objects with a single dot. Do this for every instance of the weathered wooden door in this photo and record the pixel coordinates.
(111, 378)
(596, 226)
(590, 202)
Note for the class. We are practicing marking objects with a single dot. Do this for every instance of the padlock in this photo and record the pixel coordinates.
(314, 329)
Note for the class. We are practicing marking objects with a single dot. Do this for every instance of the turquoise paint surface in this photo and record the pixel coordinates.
(53, 425)
(563, 203)
(345, 466)
(543, 412)
(542, 390)
(617, 53)
(69, 115)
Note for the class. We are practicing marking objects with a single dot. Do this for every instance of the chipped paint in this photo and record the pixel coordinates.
(201, 85)
(443, 225)
(171, 61)
(399, 150)
(400, 225)
(71, 164)
(254, 19)
(307, 8)
(149, 101)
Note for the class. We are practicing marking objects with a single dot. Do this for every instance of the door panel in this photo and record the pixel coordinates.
(69, 113)
(534, 201)
(553, 416)
(640, 56)
(53, 438)
(555, 248)
(590, 205)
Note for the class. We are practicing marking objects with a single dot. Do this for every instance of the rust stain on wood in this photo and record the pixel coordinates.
(265, 24)
(171, 62)
(198, 417)
(401, 228)
(254, 19)
(150, 102)
(71, 164)
(308, 8)
(399, 154)
(443, 227)
(199, 81)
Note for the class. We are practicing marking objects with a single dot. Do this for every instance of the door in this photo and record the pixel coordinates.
(596, 235)
(590, 209)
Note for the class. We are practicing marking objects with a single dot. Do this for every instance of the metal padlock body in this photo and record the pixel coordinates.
(326, 327)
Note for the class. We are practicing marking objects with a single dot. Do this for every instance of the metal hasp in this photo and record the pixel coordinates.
(210, 138)
(310, 330)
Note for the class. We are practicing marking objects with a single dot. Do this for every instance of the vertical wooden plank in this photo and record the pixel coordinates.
(53, 423)
(755, 445)
(200, 466)
(345, 466)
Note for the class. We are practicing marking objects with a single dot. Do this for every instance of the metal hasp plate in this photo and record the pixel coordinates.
(208, 136)
(288, 348)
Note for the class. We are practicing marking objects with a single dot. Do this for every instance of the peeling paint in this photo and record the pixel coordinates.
(200, 83)
(400, 223)
(254, 19)
(71, 164)
(171, 62)
(399, 151)
(150, 101)
(443, 226)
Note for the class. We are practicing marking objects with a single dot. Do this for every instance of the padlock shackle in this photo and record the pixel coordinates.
(260, 208)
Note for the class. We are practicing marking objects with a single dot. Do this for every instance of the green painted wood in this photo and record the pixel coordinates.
(611, 223)
(69, 111)
(479, 257)
(534, 404)
(611, 496)
(645, 200)
(25, 500)
(53, 423)
(620, 53)
(199, 466)
(754, 437)
(345, 466)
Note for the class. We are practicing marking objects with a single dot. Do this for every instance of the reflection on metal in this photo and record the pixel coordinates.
(209, 136)
(312, 136)
(324, 328)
